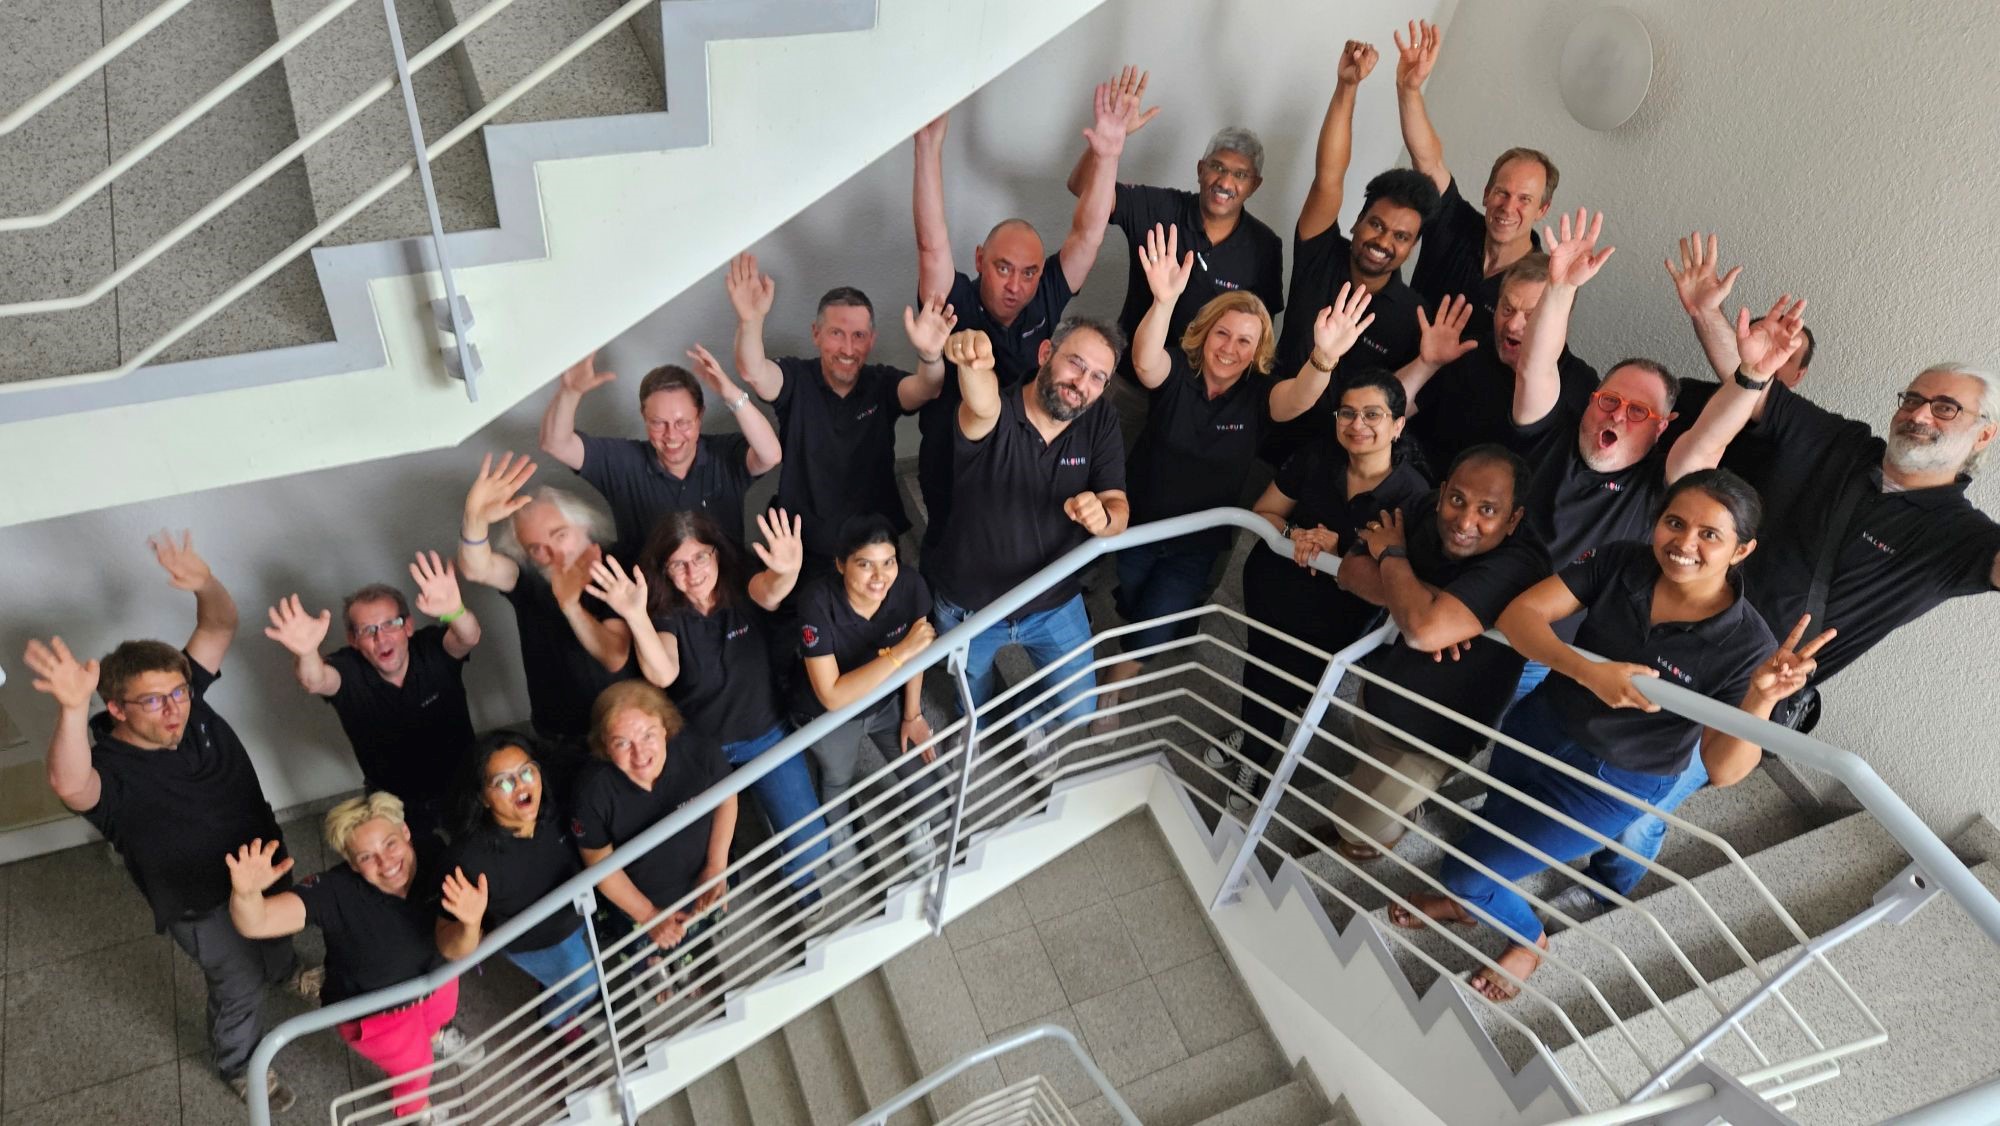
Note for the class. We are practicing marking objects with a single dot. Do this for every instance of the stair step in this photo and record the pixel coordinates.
(1294, 1104)
(1205, 1085)
(876, 1046)
(770, 1084)
(934, 1009)
(674, 1112)
(833, 1092)
(1343, 1114)
(717, 1099)
(613, 77)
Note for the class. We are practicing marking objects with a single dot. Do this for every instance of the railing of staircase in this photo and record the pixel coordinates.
(1032, 1100)
(642, 1035)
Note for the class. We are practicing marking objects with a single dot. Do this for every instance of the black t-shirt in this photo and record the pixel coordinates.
(410, 740)
(1452, 262)
(1471, 401)
(1252, 257)
(1480, 684)
(829, 626)
(640, 491)
(725, 685)
(563, 678)
(1196, 452)
(1008, 491)
(610, 810)
(1016, 359)
(1715, 657)
(1901, 554)
(373, 939)
(1320, 266)
(519, 871)
(174, 814)
(840, 452)
(1750, 455)
(1573, 509)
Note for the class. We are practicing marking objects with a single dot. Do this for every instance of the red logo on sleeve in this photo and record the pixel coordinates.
(809, 635)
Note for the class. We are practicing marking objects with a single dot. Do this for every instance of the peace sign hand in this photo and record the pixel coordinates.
(1789, 668)
(1167, 272)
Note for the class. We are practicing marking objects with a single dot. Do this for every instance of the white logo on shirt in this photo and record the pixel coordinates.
(1869, 539)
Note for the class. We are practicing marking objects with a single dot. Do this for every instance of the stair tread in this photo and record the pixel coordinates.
(876, 1046)
(613, 77)
(770, 1084)
(673, 1112)
(1184, 1093)
(833, 1092)
(717, 1099)
(1294, 1104)
(934, 1010)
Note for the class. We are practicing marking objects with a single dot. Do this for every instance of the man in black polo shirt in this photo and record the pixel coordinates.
(169, 784)
(836, 412)
(1018, 296)
(398, 690)
(1466, 254)
(674, 468)
(1040, 468)
(1394, 211)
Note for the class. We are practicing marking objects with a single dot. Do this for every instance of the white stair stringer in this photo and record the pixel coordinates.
(601, 221)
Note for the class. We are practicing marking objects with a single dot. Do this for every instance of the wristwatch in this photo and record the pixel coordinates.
(1392, 552)
(1750, 382)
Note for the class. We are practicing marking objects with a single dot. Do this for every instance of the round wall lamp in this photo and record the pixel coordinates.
(1607, 64)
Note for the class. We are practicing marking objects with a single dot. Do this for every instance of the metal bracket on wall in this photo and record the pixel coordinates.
(453, 317)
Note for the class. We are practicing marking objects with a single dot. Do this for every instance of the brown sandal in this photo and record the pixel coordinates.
(1401, 917)
(1356, 851)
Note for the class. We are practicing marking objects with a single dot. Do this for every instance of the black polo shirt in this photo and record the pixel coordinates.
(840, 451)
(519, 871)
(1453, 260)
(174, 814)
(1470, 402)
(1750, 454)
(563, 678)
(1479, 684)
(1715, 657)
(1901, 554)
(1196, 451)
(829, 626)
(1573, 509)
(410, 740)
(373, 939)
(640, 490)
(1251, 257)
(610, 810)
(1016, 359)
(724, 688)
(1008, 490)
(1320, 266)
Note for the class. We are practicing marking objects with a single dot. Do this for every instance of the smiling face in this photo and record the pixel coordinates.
(844, 335)
(386, 647)
(380, 851)
(550, 541)
(158, 727)
(636, 742)
(693, 570)
(513, 788)
(1227, 178)
(1476, 509)
(1920, 442)
(1010, 269)
(1383, 237)
(1609, 440)
(1516, 199)
(1372, 427)
(1231, 345)
(1073, 374)
(673, 426)
(1510, 318)
(1695, 540)
(868, 573)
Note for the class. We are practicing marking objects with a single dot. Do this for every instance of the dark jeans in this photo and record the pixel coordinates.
(237, 969)
(1158, 579)
(789, 803)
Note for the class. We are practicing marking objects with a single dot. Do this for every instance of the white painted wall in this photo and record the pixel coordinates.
(1265, 63)
(1845, 151)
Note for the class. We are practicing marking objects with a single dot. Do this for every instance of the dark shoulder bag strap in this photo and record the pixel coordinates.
(1801, 712)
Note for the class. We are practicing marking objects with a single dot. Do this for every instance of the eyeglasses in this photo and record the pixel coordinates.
(678, 425)
(1373, 416)
(1610, 402)
(1943, 408)
(522, 775)
(157, 701)
(683, 567)
(372, 629)
(1235, 175)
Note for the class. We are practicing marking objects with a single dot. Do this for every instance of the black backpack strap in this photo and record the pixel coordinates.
(1852, 484)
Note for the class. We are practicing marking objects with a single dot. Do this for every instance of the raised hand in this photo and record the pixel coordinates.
(1340, 324)
(709, 370)
(783, 549)
(1791, 666)
(59, 674)
(494, 493)
(1111, 107)
(463, 899)
(1385, 531)
(583, 377)
(1765, 346)
(1131, 87)
(254, 867)
(934, 130)
(1440, 341)
(1415, 57)
(611, 585)
(1307, 543)
(929, 327)
(1613, 683)
(1357, 60)
(751, 294)
(299, 632)
(1574, 258)
(970, 349)
(185, 569)
(1166, 273)
(1086, 509)
(567, 584)
(437, 585)
(1696, 280)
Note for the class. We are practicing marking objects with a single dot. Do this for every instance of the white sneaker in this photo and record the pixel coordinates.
(281, 1096)
(1216, 757)
(450, 1044)
(1577, 902)
(1246, 780)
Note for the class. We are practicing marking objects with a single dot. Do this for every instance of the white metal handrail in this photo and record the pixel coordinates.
(1007, 1098)
(96, 61)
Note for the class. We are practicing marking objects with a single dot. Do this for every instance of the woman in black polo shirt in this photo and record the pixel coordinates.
(701, 630)
(512, 850)
(857, 627)
(1319, 499)
(1674, 607)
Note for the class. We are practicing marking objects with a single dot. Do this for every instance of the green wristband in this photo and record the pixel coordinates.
(451, 616)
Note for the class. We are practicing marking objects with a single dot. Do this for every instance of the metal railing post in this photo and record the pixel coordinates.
(628, 1107)
(461, 359)
(934, 905)
(1281, 775)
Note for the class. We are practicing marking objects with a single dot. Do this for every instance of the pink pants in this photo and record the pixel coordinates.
(399, 1042)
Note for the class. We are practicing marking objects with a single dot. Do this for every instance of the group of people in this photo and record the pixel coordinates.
(1436, 437)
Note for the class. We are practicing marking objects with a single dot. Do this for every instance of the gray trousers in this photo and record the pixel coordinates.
(841, 761)
(237, 970)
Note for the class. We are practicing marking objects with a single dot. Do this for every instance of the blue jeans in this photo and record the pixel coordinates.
(551, 964)
(1046, 636)
(1159, 579)
(1532, 675)
(788, 800)
(1536, 724)
(1644, 836)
